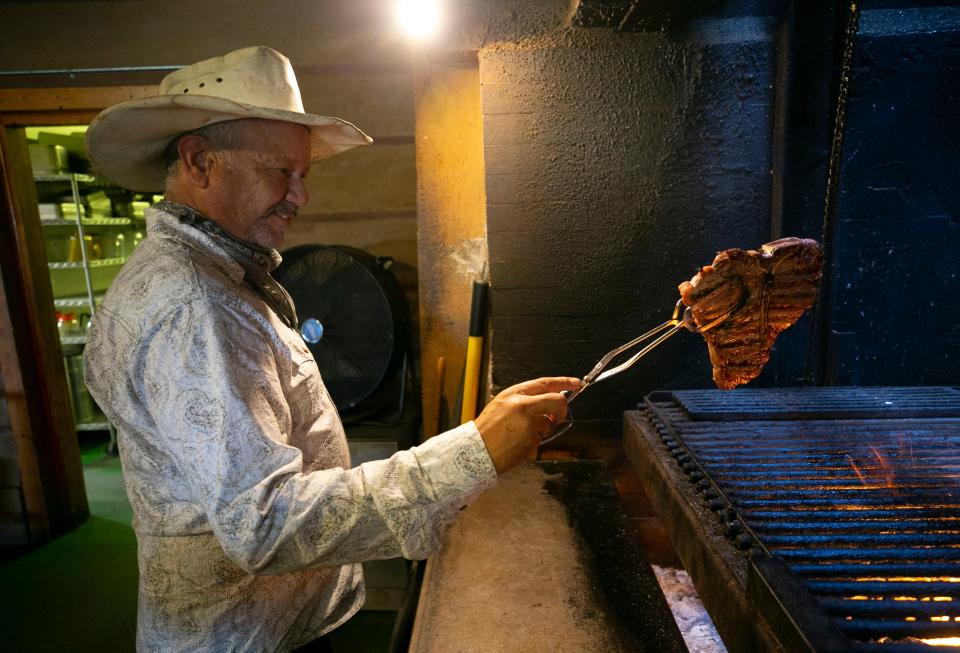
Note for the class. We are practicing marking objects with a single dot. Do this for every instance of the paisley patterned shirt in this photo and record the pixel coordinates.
(249, 520)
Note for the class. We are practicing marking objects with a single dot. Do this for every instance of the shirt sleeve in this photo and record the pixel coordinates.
(209, 380)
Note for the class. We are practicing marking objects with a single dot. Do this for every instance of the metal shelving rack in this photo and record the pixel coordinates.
(91, 299)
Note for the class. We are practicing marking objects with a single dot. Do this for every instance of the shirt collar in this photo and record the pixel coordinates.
(242, 260)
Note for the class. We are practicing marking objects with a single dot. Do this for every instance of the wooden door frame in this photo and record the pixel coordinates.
(31, 363)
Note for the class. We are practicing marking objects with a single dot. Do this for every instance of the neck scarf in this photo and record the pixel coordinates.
(255, 260)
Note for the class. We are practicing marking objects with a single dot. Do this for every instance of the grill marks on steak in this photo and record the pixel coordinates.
(763, 291)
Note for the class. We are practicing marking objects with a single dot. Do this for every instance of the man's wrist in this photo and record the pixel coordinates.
(459, 457)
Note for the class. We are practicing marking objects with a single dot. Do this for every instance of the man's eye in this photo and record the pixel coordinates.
(284, 171)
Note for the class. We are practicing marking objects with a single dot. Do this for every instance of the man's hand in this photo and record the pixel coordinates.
(514, 423)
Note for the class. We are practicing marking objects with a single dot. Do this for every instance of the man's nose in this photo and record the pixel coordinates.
(297, 190)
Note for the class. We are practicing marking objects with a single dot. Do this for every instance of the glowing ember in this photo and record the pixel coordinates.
(934, 641)
(911, 579)
(942, 641)
(856, 469)
(880, 469)
(861, 597)
(885, 466)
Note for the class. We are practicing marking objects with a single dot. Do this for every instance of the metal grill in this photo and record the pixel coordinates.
(862, 507)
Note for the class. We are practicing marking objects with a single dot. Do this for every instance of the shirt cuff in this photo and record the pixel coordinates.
(457, 464)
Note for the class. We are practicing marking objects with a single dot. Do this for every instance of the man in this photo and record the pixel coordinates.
(250, 522)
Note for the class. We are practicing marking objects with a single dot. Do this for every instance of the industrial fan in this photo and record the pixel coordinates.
(354, 317)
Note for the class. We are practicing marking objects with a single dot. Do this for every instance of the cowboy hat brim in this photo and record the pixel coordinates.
(126, 142)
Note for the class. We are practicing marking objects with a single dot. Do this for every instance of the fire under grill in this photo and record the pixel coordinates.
(812, 519)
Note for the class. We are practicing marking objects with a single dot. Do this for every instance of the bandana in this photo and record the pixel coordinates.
(255, 260)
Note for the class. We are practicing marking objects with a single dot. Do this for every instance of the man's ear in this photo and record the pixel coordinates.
(195, 159)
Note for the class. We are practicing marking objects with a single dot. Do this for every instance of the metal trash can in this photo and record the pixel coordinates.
(84, 408)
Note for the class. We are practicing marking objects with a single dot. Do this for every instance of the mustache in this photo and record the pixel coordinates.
(284, 208)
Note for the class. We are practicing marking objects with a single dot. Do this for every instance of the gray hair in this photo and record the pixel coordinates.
(222, 136)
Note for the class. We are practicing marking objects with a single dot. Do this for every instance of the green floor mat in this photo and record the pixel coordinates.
(77, 593)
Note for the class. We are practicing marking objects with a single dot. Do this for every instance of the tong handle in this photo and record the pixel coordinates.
(682, 318)
(670, 327)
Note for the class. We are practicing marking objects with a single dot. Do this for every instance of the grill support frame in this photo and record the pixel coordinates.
(697, 536)
(773, 586)
(790, 609)
(751, 582)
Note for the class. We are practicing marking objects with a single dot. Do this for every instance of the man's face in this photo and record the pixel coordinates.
(259, 188)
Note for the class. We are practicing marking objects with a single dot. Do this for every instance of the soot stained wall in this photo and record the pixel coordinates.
(895, 306)
(616, 165)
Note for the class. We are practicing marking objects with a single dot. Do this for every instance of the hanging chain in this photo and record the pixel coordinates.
(815, 371)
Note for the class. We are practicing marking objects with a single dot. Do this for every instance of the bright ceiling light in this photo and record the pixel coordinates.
(418, 19)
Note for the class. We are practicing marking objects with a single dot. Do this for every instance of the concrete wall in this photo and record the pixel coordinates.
(616, 164)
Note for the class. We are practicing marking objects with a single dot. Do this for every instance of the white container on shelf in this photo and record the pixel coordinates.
(48, 159)
(120, 246)
(50, 211)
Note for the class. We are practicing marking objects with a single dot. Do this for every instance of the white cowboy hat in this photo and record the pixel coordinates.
(126, 142)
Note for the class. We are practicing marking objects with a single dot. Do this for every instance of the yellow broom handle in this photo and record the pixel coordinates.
(471, 374)
(471, 378)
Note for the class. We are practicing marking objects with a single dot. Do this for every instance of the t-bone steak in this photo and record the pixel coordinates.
(761, 292)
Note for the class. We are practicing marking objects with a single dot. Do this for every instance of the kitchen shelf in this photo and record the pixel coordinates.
(96, 275)
(80, 301)
(70, 176)
(88, 222)
(93, 263)
(101, 425)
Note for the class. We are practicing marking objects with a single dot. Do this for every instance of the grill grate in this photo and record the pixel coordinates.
(819, 403)
(864, 507)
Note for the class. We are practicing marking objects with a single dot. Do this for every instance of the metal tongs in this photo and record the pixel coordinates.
(682, 318)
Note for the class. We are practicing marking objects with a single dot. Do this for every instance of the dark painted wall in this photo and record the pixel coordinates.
(895, 304)
(618, 163)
